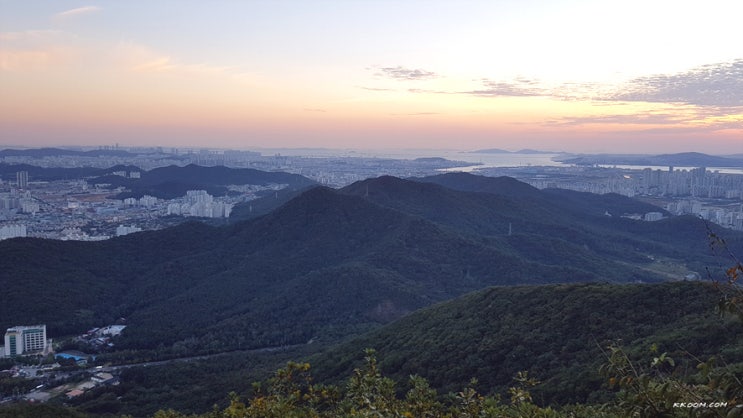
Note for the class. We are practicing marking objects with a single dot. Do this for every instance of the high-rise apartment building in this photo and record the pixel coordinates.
(25, 339)
(22, 178)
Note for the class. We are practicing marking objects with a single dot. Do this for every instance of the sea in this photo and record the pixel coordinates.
(482, 159)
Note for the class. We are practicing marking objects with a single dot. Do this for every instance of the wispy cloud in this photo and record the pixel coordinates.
(519, 87)
(415, 114)
(30, 35)
(25, 60)
(668, 120)
(718, 85)
(712, 91)
(429, 91)
(685, 129)
(634, 119)
(34, 50)
(142, 59)
(404, 74)
(77, 12)
(375, 88)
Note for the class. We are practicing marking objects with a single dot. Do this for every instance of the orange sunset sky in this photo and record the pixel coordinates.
(578, 76)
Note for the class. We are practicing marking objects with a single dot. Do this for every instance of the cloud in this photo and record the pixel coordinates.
(518, 88)
(415, 114)
(34, 50)
(716, 86)
(426, 91)
(29, 60)
(375, 88)
(686, 129)
(719, 85)
(528, 87)
(405, 74)
(638, 119)
(30, 36)
(141, 59)
(77, 12)
(669, 120)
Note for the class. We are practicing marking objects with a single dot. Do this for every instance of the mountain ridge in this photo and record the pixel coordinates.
(379, 248)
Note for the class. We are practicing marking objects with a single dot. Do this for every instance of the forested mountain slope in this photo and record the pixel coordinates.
(327, 264)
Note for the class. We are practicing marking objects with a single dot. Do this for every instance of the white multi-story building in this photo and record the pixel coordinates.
(126, 230)
(29, 206)
(12, 231)
(653, 216)
(22, 179)
(147, 201)
(25, 340)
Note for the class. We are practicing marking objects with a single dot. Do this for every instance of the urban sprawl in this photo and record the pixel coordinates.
(80, 209)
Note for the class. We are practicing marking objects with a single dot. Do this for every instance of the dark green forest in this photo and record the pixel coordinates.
(174, 181)
(559, 335)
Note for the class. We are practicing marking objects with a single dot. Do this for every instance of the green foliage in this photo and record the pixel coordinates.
(658, 387)
(653, 391)
(10, 386)
(549, 331)
(290, 393)
(38, 411)
(186, 386)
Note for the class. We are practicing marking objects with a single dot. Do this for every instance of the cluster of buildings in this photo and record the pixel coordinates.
(729, 216)
(713, 196)
(99, 339)
(71, 210)
(696, 182)
(672, 182)
(19, 201)
(100, 378)
(200, 203)
(146, 201)
(22, 340)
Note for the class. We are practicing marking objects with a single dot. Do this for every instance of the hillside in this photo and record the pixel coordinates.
(554, 332)
(556, 227)
(173, 181)
(324, 265)
(327, 264)
(263, 205)
(35, 173)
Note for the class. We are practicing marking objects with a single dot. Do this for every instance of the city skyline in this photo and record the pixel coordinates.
(576, 76)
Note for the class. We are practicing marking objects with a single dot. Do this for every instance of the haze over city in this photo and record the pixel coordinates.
(576, 76)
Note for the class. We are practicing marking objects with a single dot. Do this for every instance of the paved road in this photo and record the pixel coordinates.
(195, 358)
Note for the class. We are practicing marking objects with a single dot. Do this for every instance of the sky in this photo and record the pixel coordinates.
(628, 76)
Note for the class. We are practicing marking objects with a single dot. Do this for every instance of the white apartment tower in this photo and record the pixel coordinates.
(22, 179)
(25, 339)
